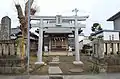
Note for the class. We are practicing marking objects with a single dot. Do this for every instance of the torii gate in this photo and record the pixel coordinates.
(58, 19)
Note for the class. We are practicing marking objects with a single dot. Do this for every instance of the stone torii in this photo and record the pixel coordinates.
(43, 26)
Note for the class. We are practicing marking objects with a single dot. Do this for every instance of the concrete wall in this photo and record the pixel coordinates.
(117, 24)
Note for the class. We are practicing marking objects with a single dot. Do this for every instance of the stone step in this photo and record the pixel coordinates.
(54, 70)
(59, 53)
(54, 63)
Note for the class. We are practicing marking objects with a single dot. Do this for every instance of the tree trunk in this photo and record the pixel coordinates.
(23, 19)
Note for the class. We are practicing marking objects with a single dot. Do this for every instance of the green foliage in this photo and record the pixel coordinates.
(91, 38)
(96, 27)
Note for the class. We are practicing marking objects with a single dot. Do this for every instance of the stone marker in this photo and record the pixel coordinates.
(3, 47)
(5, 28)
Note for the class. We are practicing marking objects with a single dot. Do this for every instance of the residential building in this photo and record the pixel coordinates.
(116, 20)
(106, 42)
(16, 35)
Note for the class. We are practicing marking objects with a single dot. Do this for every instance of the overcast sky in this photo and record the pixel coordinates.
(98, 10)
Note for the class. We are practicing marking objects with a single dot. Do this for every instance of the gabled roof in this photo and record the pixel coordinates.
(114, 17)
(17, 32)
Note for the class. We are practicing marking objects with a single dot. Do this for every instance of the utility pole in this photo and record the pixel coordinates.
(28, 39)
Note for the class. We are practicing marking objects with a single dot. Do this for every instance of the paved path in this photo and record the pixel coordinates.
(54, 69)
(99, 76)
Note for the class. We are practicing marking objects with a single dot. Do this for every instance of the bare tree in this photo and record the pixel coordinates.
(23, 19)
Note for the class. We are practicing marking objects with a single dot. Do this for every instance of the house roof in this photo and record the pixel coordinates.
(114, 17)
(98, 32)
(17, 31)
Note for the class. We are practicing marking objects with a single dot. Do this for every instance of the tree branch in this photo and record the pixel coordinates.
(21, 17)
(19, 11)
(26, 6)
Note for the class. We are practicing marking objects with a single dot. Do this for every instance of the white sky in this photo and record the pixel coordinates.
(98, 10)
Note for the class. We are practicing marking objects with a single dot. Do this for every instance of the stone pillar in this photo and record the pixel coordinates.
(108, 48)
(40, 44)
(12, 49)
(115, 48)
(7, 49)
(18, 47)
(3, 47)
(101, 50)
(77, 54)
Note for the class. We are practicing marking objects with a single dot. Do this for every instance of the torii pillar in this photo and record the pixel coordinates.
(77, 53)
(40, 44)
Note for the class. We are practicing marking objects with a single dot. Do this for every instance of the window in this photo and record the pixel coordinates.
(112, 37)
(109, 37)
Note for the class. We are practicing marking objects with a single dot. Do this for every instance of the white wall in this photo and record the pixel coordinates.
(117, 24)
(108, 34)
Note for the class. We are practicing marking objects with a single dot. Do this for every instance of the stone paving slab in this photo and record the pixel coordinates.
(54, 63)
(76, 70)
(39, 77)
(54, 70)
